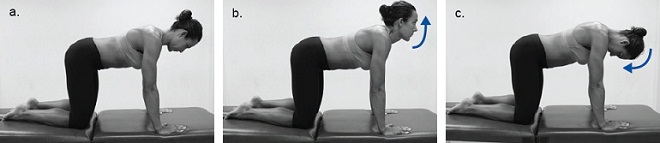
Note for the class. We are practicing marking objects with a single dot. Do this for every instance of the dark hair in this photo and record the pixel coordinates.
(184, 21)
(635, 37)
(398, 9)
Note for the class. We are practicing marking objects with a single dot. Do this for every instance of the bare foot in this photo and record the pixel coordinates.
(32, 103)
(477, 98)
(256, 102)
(467, 102)
(15, 113)
(238, 111)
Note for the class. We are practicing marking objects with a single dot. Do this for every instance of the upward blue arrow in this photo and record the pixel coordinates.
(426, 23)
(630, 67)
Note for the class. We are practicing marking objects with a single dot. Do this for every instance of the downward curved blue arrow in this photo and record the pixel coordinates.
(426, 23)
(630, 67)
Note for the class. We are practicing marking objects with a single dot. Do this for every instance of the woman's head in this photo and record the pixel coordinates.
(635, 41)
(188, 32)
(400, 15)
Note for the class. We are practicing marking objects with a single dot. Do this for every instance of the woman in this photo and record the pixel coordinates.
(367, 48)
(587, 43)
(138, 48)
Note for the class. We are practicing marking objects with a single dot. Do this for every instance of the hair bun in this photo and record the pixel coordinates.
(185, 15)
(639, 31)
(384, 11)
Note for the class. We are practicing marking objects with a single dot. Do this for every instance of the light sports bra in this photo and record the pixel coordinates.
(580, 53)
(360, 57)
(131, 56)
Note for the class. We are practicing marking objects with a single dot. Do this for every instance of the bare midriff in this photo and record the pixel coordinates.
(555, 54)
(110, 51)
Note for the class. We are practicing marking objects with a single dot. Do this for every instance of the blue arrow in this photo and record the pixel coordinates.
(426, 23)
(630, 67)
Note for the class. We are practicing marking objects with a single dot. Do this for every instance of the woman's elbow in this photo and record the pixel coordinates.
(597, 85)
(149, 88)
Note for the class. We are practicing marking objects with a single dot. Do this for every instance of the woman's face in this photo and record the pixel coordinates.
(409, 27)
(617, 46)
(180, 43)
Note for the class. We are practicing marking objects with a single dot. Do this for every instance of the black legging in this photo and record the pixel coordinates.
(308, 60)
(527, 59)
(82, 61)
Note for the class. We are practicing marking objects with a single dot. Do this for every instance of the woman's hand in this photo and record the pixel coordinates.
(170, 129)
(607, 107)
(391, 111)
(166, 129)
(613, 125)
(165, 110)
(395, 130)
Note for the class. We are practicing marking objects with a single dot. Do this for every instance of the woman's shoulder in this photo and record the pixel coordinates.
(142, 33)
(147, 30)
(373, 33)
(374, 30)
(592, 26)
(589, 30)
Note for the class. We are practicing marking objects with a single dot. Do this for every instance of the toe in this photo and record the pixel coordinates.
(407, 129)
(181, 128)
(625, 124)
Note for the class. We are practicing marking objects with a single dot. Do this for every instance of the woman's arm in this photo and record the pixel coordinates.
(381, 49)
(599, 46)
(151, 47)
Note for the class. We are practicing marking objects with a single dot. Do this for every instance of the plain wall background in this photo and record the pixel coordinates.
(478, 48)
(33, 46)
(257, 50)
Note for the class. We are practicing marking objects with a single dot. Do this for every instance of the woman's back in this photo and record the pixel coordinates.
(352, 50)
(120, 51)
(567, 47)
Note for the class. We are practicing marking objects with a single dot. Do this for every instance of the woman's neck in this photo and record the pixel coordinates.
(392, 33)
(166, 37)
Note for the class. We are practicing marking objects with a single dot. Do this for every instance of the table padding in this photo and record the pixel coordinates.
(358, 126)
(474, 128)
(30, 132)
(130, 126)
(248, 131)
(572, 123)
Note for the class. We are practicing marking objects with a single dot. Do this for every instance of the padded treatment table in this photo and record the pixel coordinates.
(355, 126)
(130, 126)
(474, 128)
(571, 124)
(30, 132)
(247, 131)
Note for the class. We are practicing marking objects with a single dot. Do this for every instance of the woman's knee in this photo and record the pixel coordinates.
(303, 124)
(79, 125)
(303, 121)
(525, 118)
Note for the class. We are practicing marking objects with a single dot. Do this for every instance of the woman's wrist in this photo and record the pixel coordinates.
(602, 123)
(158, 126)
